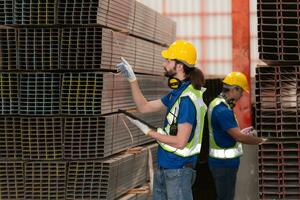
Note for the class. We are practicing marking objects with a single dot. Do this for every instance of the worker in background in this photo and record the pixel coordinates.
(180, 138)
(226, 137)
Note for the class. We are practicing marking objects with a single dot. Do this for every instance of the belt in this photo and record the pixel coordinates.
(188, 165)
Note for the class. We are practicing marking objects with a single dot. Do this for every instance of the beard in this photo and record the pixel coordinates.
(170, 73)
(230, 101)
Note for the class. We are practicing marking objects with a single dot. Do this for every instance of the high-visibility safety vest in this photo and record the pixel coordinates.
(216, 151)
(194, 145)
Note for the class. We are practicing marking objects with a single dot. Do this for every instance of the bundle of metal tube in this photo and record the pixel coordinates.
(277, 99)
(62, 134)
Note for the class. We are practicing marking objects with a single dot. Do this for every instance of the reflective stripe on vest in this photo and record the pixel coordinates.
(194, 146)
(215, 150)
(227, 153)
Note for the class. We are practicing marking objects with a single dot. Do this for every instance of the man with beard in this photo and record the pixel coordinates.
(226, 137)
(180, 138)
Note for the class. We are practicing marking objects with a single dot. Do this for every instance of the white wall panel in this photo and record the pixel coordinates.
(187, 26)
(218, 49)
(217, 6)
(217, 69)
(183, 6)
(253, 5)
(218, 25)
(197, 43)
(253, 32)
(253, 45)
(254, 55)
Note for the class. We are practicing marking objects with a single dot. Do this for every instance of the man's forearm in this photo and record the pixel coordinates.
(138, 97)
(247, 139)
(173, 141)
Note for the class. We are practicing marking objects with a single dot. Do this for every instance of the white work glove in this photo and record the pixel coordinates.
(125, 68)
(253, 133)
(161, 131)
(264, 140)
(249, 131)
(144, 128)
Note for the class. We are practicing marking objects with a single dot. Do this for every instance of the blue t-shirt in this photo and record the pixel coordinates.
(222, 119)
(186, 114)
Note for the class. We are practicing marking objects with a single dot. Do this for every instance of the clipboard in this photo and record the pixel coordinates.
(132, 116)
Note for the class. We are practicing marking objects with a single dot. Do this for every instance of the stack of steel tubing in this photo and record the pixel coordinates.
(42, 138)
(279, 170)
(96, 48)
(107, 179)
(103, 93)
(7, 12)
(76, 48)
(277, 118)
(38, 48)
(9, 94)
(39, 94)
(60, 95)
(152, 152)
(35, 12)
(45, 179)
(277, 106)
(121, 15)
(99, 137)
(10, 134)
(278, 31)
(12, 179)
(137, 196)
(8, 43)
(277, 98)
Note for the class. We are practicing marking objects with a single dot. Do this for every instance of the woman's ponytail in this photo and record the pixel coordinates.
(195, 75)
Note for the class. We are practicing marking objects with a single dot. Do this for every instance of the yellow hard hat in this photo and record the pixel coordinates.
(237, 79)
(183, 51)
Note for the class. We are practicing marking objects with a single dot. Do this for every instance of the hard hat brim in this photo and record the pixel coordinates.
(229, 84)
(246, 90)
(165, 54)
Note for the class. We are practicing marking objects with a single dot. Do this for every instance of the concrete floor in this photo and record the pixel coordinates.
(247, 180)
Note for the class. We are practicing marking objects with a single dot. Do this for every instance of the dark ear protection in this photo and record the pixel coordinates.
(174, 83)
